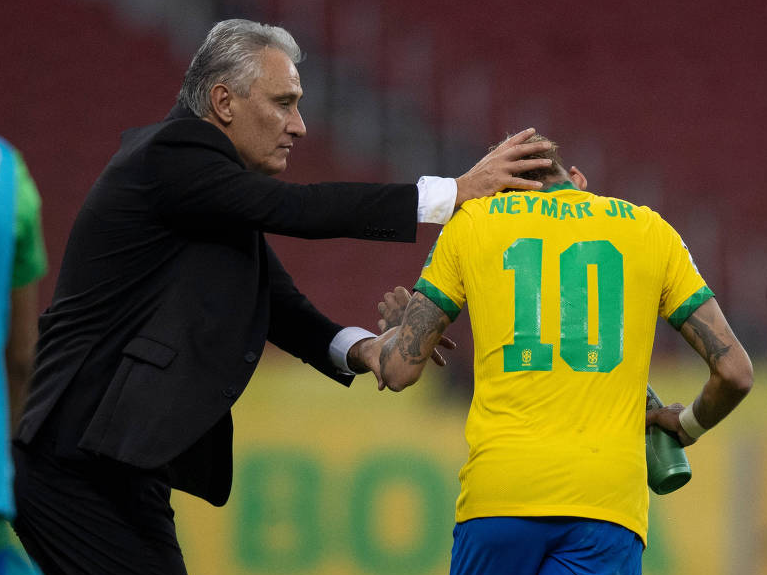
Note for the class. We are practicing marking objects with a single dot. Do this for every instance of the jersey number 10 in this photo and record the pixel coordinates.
(528, 353)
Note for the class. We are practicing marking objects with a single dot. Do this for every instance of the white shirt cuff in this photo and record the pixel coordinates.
(342, 343)
(436, 199)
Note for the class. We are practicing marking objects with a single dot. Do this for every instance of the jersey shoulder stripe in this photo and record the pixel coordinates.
(437, 297)
(688, 307)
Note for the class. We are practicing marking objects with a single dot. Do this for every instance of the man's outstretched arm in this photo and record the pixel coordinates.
(731, 378)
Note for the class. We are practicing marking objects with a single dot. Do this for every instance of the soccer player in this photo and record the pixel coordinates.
(564, 288)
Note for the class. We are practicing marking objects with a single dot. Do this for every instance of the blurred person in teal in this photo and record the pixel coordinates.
(22, 264)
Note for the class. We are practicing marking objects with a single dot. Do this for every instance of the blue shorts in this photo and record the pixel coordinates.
(544, 546)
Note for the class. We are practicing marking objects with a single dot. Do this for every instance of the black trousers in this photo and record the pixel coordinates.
(94, 517)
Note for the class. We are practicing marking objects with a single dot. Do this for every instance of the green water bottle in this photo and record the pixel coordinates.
(667, 465)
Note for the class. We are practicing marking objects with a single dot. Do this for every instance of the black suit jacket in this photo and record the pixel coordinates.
(168, 292)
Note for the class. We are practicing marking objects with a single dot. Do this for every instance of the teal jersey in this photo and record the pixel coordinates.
(22, 261)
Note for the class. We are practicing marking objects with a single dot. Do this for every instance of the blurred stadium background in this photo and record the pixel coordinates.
(662, 103)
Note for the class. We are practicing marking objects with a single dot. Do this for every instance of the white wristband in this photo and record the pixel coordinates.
(690, 423)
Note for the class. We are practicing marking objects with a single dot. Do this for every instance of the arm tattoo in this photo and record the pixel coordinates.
(713, 346)
(423, 321)
(386, 352)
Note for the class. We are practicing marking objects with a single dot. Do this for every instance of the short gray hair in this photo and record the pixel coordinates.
(227, 57)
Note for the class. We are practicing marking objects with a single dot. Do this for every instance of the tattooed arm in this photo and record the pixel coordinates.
(397, 347)
(731, 378)
(406, 348)
(392, 310)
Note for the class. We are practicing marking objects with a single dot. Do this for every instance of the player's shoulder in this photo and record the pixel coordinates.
(481, 207)
(621, 208)
(469, 211)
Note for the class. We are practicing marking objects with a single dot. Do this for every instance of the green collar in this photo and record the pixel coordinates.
(566, 185)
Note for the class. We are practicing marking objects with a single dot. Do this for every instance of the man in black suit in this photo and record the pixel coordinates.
(167, 294)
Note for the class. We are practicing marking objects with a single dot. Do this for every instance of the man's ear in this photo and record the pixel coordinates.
(577, 177)
(221, 104)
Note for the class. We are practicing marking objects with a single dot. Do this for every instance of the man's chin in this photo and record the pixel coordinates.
(272, 169)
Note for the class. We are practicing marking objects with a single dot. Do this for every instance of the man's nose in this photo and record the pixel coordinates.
(296, 126)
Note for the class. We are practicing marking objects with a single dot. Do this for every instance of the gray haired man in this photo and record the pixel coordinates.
(168, 292)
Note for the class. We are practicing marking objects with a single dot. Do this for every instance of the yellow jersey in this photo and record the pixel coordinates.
(564, 288)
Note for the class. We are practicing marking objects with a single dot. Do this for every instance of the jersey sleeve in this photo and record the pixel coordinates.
(29, 261)
(440, 279)
(684, 289)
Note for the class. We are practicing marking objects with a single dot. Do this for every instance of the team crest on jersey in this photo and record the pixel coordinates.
(527, 357)
(593, 358)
